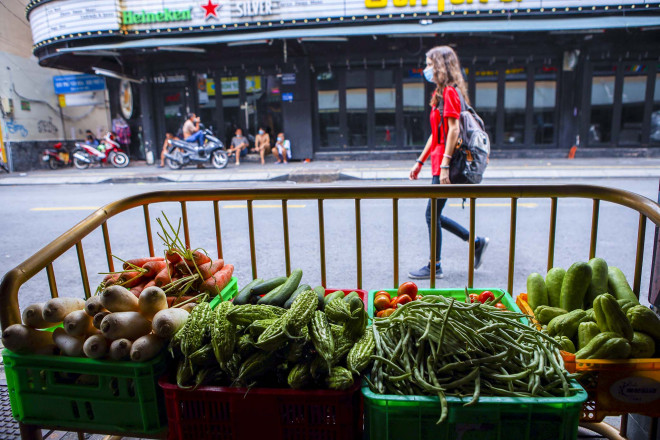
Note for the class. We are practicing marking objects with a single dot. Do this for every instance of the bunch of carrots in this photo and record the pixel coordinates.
(180, 271)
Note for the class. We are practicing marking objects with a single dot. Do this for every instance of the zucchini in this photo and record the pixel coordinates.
(348, 297)
(537, 292)
(598, 283)
(320, 291)
(334, 295)
(297, 292)
(618, 285)
(243, 296)
(278, 297)
(575, 285)
(267, 286)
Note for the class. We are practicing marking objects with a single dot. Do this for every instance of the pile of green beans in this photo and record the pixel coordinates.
(441, 347)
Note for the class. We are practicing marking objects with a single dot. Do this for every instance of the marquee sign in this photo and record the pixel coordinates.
(73, 18)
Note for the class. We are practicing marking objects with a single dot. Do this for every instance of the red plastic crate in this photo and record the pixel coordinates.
(273, 413)
(364, 295)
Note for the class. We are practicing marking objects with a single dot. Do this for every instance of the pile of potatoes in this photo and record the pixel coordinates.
(114, 324)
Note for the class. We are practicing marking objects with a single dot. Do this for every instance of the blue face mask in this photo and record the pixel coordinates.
(261, 132)
(428, 74)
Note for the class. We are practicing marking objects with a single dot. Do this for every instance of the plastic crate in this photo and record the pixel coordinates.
(458, 294)
(615, 387)
(392, 417)
(72, 393)
(228, 293)
(363, 294)
(276, 414)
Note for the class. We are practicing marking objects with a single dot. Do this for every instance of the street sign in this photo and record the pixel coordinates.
(65, 84)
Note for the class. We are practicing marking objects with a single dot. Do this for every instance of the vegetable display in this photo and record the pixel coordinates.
(599, 314)
(439, 346)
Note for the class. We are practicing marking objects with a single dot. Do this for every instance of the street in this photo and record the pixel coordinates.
(36, 214)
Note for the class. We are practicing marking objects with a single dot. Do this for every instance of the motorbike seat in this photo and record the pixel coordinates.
(179, 143)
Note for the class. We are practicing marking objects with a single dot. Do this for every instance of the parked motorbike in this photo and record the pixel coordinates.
(108, 150)
(57, 156)
(181, 153)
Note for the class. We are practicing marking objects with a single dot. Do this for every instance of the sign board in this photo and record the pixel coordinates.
(287, 97)
(65, 84)
(75, 18)
(288, 79)
(80, 99)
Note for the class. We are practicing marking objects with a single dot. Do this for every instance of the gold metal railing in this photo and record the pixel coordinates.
(11, 283)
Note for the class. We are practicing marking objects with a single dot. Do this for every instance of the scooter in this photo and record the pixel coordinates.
(181, 153)
(56, 157)
(108, 150)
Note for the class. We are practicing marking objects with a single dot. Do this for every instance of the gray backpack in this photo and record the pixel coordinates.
(470, 156)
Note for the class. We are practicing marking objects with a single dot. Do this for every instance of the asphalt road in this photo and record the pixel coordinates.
(32, 216)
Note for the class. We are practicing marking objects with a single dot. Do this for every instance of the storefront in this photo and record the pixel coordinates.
(343, 79)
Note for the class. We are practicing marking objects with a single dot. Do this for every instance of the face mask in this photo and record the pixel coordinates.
(280, 139)
(261, 132)
(428, 74)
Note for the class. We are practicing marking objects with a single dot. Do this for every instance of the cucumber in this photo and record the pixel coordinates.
(334, 295)
(348, 297)
(537, 293)
(618, 285)
(320, 291)
(575, 285)
(598, 283)
(278, 297)
(298, 291)
(553, 280)
(268, 285)
(243, 296)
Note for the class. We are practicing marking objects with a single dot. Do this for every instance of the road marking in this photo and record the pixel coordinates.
(261, 206)
(66, 208)
(497, 205)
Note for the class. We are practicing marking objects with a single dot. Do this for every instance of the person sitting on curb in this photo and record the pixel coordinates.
(238, 143)
(168, 136)
(282, 149)
(262, 143)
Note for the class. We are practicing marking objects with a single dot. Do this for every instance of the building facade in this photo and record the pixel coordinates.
(342, 78)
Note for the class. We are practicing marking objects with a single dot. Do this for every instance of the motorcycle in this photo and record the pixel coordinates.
(182, 153)
(56, 157)
(108, 150)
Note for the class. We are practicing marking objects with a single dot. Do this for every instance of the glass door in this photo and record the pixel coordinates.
(264, 106)
(171, 105)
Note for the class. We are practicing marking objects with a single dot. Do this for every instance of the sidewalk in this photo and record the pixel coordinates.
(329, 171)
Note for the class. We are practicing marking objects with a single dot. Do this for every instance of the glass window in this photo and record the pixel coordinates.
(328, 102)
(384, 108)
(632, 105)
(545, 93)
(655, 115)
(356, 107)
(231, 107)
(602, 105)
(486, 99)
(413, 108)
(515, 96)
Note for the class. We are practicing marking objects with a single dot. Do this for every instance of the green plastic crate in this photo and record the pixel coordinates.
(392, 417)
(73, 393)
(229, 292)
(458, 294)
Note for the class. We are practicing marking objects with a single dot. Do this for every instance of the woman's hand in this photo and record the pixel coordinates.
(444, 176)
(414, 172)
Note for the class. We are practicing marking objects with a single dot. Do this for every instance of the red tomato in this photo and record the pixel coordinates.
(408, 288)
(402, 299)
(381, 302)
(382, 292)
(419, 296)
(500, 306)
(486, 295)
(474, 297)
(523, 296)
(385, 313)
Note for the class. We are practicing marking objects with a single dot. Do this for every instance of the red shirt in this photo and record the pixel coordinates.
(451, 109)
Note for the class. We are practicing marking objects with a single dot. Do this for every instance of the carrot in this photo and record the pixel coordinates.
(172, 257)
(199, 258)
(153, 268)
(219, 280)
(129, 325)
(20, 338)
(33, 316)
(208, 269)
(137, 290)
(131, 279)
(139, 262)
(164, 276)
(183, 268)
(119, 299)
(150, 284)
(111, 278)
(56, 309)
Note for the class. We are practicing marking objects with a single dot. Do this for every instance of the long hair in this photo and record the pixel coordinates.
(446, 72)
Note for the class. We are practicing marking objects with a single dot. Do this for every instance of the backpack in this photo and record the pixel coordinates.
(470, 156)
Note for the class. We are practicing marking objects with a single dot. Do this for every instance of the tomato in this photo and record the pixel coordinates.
(385, 313)
(474, 297)
(402, 299)
(382, 292)
(523, 296)
(500, 306)
(486, 295)
(419, 296)
(408, 288)
(381, 302)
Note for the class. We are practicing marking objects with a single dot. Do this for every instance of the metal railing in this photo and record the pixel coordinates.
(14, 279)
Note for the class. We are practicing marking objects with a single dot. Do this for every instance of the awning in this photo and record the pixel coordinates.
(444, 26)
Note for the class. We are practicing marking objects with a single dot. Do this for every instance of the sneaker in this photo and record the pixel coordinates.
(424, 272)
(479, 248)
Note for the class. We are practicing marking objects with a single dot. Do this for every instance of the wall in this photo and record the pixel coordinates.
(36, 119)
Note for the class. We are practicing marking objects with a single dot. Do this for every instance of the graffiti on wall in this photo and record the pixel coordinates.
(13, 127)
(47, 126)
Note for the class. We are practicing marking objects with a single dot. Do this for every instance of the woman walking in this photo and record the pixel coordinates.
(444, 70)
